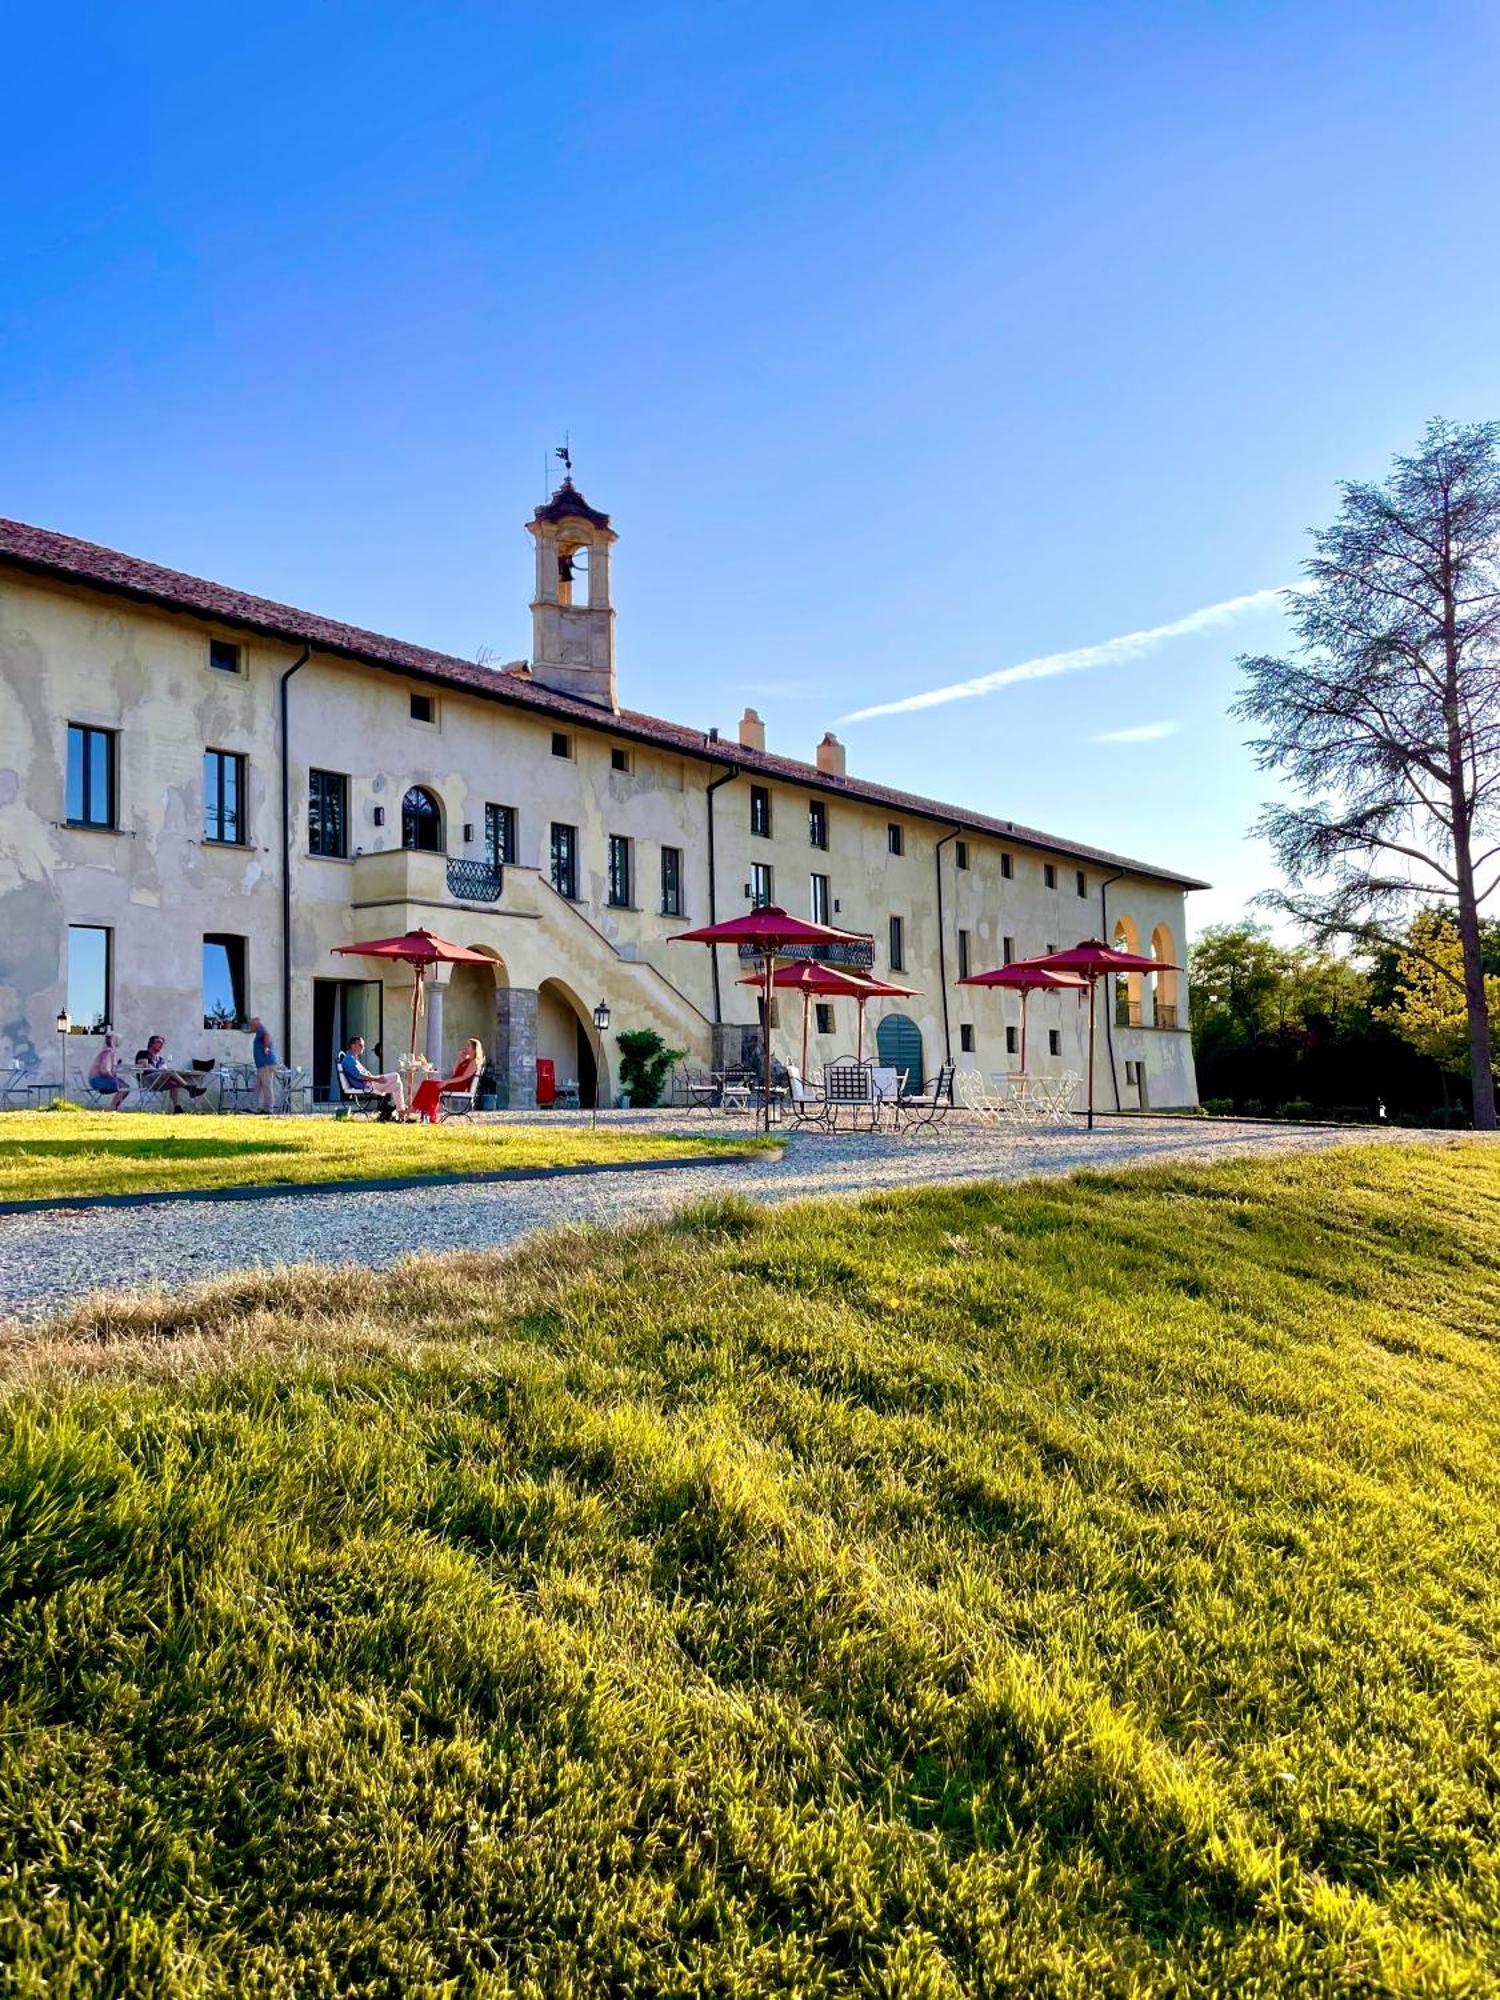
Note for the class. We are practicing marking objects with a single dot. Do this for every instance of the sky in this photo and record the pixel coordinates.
(1002, 351)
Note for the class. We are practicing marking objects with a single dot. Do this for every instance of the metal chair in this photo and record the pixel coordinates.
(363, 1103)
(849, 1087)
(924, 1110)
(457, 1104)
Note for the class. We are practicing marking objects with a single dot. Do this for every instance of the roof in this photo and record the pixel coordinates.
(568, 504)
(45, 553)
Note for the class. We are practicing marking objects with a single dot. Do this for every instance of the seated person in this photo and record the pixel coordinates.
(157, 1073)
(103, 1080)
(465, 1073)
(357, 1078)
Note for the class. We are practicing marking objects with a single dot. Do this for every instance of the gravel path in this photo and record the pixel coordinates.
(50, 1259)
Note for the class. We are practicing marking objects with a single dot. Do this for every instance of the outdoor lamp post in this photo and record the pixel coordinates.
(601, 1022)
(64, 1029)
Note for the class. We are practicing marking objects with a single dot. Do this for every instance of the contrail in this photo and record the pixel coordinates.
(1128, 646)
(1138, 732)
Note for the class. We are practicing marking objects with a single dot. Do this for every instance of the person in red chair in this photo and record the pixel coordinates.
(430, 1093)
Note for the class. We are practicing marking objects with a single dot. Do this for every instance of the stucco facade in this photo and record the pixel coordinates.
(104, 644)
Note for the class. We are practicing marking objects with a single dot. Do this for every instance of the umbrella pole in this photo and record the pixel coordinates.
(1025, 996)
(1093, 992)
(859, 1046)
(765, 1046)
(806, 1010)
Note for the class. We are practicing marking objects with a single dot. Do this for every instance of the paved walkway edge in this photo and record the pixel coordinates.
(391, 1183)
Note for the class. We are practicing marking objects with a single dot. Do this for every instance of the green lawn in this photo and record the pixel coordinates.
(1083, 1588)
(52, 1155)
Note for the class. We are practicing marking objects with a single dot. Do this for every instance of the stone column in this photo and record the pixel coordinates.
(435, 1026)
(514, 1055)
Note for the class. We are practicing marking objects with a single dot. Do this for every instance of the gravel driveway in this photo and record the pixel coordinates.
(50, 1259)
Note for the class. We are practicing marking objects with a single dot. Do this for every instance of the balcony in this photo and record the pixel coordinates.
(405, 875)
(1127, 1012)
(1131, 1013)
(1164, 1014)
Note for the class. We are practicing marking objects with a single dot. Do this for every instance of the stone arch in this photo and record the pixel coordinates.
(1163, 949)
(1129, 986)
(471, 1000)
(566, 1034)
(422, 821)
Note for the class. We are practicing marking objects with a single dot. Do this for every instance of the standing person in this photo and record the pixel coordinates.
(104, 1079)
(263, 1050)
(429, 1094)
(358, 1078)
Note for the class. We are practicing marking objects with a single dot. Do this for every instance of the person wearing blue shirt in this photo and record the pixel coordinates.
(358, 1078)
(263, 1050)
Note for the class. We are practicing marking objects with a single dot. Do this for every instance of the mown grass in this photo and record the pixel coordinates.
(1083, 1588)
(53, 1155)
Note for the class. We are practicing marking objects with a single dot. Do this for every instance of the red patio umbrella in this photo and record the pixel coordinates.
(420, 949)
(809, 978)
(1026, 980)
(1095, 960)
(772, 933)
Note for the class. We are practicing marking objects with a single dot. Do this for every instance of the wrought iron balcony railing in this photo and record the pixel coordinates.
(475, 881)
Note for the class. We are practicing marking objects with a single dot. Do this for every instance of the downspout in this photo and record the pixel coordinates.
(937, 859)
(1109, 996)
(286, 861)
(713, 888)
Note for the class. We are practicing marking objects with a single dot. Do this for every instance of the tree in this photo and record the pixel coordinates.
(1428, 1009)
(1387, 721)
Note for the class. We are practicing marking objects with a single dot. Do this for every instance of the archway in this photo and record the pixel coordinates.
(422, 821)
(1129, 986)
(567, 1038)
(1165, 997)
(471, 1001)
(898, 1044)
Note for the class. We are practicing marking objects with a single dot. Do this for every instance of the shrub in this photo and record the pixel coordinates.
(645, 1061)
(1253, 1108)
(1218, 1107)
(1299, 1107)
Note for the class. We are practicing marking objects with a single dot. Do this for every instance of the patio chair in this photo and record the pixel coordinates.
(923, 1111)
(973, 1094)
(849, 1089)
(808, 1104)
(456, 1104)
(363, 1103)
(148, 1091)
(17, 1081)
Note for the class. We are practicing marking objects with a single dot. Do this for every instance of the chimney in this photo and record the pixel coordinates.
(831, 755)
(752, 731)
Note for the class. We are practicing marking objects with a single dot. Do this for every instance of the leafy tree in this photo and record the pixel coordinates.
(1428, 1009)
(1387, 721)
(645, 1061)
(1234, 973)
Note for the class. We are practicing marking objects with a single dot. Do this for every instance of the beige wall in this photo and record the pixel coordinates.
(70, 655)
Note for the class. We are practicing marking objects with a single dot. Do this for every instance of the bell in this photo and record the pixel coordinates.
(565, 569)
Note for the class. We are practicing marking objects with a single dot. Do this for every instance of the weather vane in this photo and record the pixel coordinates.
(561, 451)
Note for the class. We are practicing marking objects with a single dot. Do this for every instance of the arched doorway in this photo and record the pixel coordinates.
(1165, 998)
(471, 1002)
(566, 1036)
(1129, 986)
(898, 1044)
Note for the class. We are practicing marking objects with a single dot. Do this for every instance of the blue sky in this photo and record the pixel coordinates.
(905, 345)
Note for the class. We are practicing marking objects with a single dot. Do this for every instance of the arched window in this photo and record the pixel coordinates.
(1165, 997)
(421, 821)
(1128, 985)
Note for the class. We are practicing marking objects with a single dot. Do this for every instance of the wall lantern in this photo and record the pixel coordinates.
(64, 1022)
(379, 815)
(601, 1017)
(468, 833)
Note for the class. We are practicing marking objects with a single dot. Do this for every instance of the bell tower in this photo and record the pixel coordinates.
(572, 620)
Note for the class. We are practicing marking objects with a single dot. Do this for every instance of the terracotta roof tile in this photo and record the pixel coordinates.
(45, 553)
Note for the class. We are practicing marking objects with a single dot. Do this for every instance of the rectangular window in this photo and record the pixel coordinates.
(824, 1011)
(1049, 875)
(565, 861)
(562, 743)
(817, 823)
(619, 760)
(328, 813)
(895, 839)
(499, 835)
(423, 708)
(224, 797)
(91, 775)
(818, 901)
(1012, 1041)
(762, 885)
(966, 1037)
(1082, 882)
(1007, 865)
(1054, 1041)
(619, 871)
(963, 954)
(224, 981)
(897, 945)
(960, 854)
(1007, 951)
(760, 811)
(671, 881)
(224, 656)
(90, 977)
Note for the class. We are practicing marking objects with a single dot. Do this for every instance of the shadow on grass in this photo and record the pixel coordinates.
(143, 1149)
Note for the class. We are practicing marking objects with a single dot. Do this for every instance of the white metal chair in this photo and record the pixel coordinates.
(363, 1103)
(456, 1104)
